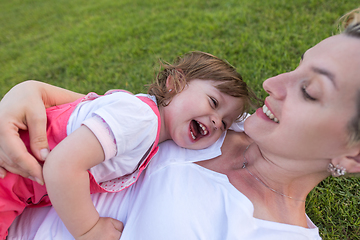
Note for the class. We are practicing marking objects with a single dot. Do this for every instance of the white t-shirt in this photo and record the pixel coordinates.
(125, 126)
(173, 199)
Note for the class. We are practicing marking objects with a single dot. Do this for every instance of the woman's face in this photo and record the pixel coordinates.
(313, 103)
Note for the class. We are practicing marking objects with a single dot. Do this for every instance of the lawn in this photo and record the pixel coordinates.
(99, 45)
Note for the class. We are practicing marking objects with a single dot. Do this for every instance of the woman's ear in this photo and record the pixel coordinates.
(354, 164)
(351, 162)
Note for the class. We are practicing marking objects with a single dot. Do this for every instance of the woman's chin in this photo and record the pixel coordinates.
(252, 125)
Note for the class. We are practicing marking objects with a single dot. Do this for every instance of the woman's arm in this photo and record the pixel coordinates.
(67, 183)
(23, 108)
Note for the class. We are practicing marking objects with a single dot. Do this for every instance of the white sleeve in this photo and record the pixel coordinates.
(238, 126)
(134, 126)
(104, 135)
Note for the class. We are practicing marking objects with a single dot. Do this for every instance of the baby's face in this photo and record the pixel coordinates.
(197, 116)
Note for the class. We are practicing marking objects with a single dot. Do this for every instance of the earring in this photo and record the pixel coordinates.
(170, 90)
(336, 171)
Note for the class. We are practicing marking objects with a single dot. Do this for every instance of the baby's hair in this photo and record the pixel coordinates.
(204, 66)
(349, 25)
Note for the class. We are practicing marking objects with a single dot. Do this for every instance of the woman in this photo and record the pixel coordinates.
(307, 130)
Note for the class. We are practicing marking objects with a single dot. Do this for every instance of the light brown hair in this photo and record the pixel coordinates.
(350, 26)
(203, 66)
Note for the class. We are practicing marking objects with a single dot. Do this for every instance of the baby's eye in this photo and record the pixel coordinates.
(224, 124)
(214, 102)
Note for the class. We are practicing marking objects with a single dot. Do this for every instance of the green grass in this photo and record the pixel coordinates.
(103, 44)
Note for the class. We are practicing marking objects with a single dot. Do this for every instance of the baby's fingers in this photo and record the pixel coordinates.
(105, 229)
(117, 224)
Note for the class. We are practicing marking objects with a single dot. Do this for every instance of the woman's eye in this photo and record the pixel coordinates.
(214, 102)
(306, 95)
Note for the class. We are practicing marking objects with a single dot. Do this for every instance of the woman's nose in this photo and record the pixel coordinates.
(277, 86)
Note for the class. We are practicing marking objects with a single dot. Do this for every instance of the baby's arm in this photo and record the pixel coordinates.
(67, 182)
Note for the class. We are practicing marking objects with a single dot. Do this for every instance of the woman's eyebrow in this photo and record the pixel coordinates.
(326, 73)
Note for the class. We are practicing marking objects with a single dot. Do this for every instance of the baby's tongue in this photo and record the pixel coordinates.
(194, 127)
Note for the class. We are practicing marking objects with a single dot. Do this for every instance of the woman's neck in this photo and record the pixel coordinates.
(260, 176)
(288, 178)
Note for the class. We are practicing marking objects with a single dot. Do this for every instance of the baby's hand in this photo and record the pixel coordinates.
(106, 228)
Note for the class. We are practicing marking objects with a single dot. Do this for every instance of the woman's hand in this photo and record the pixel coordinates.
(106, 228)
(23, 107)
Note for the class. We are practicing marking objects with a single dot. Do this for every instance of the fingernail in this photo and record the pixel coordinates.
(39, 181)
(36, 180)
(44, 153)
(2, 175)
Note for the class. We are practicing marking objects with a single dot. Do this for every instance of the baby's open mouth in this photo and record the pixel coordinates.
(197, 130)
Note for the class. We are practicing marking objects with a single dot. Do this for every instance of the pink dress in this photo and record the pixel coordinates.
(17, 192)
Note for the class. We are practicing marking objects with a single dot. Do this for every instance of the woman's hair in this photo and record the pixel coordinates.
(350, 23)
(350, 26)
(203, 66)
